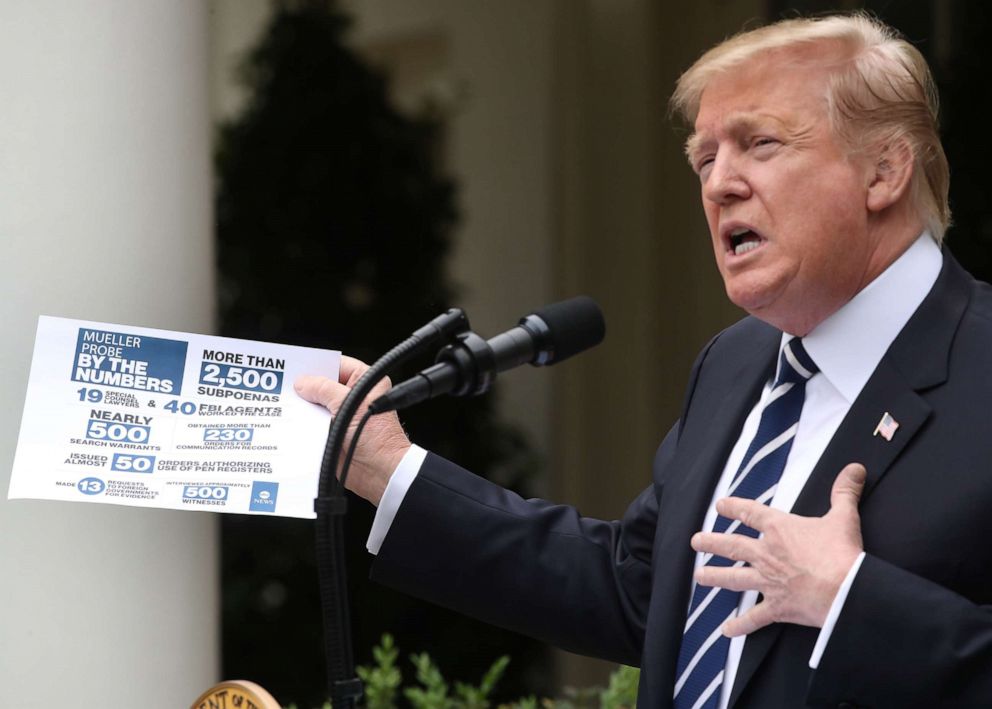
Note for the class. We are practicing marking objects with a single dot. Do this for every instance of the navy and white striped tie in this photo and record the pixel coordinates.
(703, 653)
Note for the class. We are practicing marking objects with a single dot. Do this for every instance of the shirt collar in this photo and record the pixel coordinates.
(849, 344)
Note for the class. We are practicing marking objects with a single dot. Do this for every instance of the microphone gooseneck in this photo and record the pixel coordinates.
(343, 687)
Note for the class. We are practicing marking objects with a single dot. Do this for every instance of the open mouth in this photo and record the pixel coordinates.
(742, 240)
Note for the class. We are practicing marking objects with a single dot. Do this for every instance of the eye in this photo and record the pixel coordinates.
(763, 141)
(703, 163)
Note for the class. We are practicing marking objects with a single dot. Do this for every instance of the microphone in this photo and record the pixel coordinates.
(547, 336)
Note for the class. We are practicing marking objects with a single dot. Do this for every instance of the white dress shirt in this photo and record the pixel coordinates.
(847, 348)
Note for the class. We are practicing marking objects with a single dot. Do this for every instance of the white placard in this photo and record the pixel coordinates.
(151, 418)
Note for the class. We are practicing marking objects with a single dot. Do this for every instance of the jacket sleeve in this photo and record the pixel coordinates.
(531, 566)
(527, 565)
(905, 641)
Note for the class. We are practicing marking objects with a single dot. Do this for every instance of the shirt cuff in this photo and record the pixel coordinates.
(835, 608)
(393, 496)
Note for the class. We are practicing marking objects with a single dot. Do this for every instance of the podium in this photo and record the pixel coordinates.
(236, 694)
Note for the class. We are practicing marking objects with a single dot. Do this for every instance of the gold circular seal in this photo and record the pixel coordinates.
(236, 694)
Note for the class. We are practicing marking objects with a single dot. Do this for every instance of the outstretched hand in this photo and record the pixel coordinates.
(382, 444)
(798, 564)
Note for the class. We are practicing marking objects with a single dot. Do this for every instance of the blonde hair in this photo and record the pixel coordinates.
(880, 93)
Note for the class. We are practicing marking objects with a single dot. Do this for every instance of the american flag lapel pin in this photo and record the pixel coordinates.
(886, 428)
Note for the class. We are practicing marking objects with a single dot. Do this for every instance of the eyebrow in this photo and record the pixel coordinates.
(692, 146)
(736, 124)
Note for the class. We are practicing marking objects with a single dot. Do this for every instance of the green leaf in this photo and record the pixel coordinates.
(622, 690)
(434, 694)
(382, 681)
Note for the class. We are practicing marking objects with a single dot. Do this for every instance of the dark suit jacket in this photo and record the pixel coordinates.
(914, 631)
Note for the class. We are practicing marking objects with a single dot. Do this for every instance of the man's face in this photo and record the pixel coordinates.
(785, 203)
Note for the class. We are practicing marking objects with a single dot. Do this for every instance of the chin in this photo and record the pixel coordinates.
(762, 305)
(761, 291)
(753, 300)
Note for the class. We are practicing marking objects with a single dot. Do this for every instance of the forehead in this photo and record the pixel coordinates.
(778, 88)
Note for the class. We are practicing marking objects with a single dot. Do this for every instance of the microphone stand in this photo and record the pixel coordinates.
(343, 686)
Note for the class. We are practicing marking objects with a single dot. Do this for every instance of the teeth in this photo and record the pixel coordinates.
(740, 230)
(745, 246)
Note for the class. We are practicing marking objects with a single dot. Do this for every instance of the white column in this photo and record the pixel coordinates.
(105, 214)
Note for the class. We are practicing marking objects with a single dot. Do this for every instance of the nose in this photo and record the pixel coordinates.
(724, 180)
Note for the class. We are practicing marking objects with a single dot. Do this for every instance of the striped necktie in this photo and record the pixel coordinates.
(703, 653)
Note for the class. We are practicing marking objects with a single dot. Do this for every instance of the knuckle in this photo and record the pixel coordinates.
(329, 394)
(325, 390)
(709, 577)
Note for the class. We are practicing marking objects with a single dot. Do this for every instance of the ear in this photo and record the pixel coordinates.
(891, 175)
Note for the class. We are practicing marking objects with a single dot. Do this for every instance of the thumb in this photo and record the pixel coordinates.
(321, 390)
(847, 489)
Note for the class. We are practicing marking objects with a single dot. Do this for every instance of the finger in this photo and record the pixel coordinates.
(351, 370)
(354, 369)
(321, 390)
(734, 578)
(751, 514)
(847, 489)
(755, 619)
(735, 547)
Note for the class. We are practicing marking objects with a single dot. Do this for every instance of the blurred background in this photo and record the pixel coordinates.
(335, 174)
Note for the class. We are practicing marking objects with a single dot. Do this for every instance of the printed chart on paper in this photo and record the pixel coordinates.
(153, 418)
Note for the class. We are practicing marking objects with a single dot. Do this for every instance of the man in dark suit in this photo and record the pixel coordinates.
(825, 189)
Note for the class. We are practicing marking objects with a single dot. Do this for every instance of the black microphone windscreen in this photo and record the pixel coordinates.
(574, 325)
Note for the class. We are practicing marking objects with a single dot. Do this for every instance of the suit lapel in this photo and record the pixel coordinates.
(887, 392)
(916, 361)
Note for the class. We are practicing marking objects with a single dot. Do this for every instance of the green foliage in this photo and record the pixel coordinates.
(525, 703)
(478, 697)
(383, 680)
(434, 690)
(575, 698)
(621, 693)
